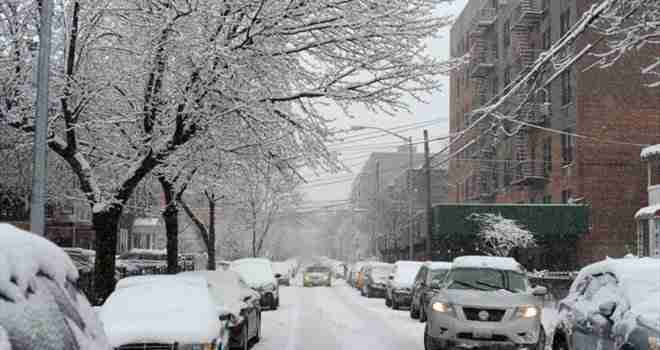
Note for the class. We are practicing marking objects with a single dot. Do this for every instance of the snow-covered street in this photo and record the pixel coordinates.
(336, 318)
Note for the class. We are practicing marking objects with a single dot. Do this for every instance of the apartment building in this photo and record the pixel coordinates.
(503, 161)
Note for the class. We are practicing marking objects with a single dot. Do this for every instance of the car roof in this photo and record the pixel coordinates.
(488, 262)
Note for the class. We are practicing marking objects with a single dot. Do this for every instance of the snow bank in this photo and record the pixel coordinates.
(23, 255)
(170, 309)
(490, 262)
(649, 152)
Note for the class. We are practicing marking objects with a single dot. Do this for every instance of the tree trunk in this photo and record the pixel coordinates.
(106, 224)
(210, 248)
(171, 218)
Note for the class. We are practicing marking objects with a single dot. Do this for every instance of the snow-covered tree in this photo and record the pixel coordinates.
(134, 82)
(498, 235)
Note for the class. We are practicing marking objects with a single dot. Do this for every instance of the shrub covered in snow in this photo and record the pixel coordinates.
(499, 236)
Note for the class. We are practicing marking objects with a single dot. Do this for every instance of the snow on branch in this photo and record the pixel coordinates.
(498, 235)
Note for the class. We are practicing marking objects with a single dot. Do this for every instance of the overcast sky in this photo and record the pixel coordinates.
(327, 189)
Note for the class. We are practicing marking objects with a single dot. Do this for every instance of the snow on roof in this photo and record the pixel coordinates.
(225, 289)
(256, 272)
(171, 312)
(436, 265)
(490, 262)
(146, 222)
(647, 212)
(650, 151)
(23, 255)
(638, 277)
(133, 281)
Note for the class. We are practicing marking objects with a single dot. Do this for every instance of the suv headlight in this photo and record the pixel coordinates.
(527, 311)
(444, 308)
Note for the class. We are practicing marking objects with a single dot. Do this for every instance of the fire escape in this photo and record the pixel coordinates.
(527, 171)
(482, 65)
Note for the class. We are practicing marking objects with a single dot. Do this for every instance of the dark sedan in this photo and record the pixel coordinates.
(427, 280)
(374, 282)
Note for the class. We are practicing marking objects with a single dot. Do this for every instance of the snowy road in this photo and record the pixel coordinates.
(336, 318)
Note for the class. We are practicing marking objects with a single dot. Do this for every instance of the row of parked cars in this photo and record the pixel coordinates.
(479, 301)
(42, 308)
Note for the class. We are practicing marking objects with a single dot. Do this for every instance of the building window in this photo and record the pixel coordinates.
(507, 76)
(567, 147)
(547, 157)
(494, 3)
(495, 85)
(547, 199)
(507, 33)
(545, 5)
(565, 21)
(566, 196)
(644, 238)
(566, 87)
(507, 173)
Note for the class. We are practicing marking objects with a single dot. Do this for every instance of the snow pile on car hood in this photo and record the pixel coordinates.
(175, 310)
(226, 292)
(405, 273)
(488, 262)
(640, 282)
(254, 271)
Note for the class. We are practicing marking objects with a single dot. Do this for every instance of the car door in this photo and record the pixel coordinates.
(251, 311)
(591, 330)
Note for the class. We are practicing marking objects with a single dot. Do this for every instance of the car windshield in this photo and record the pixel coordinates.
(438, 275)
(486, 280)
(318, 269)
(381, 271)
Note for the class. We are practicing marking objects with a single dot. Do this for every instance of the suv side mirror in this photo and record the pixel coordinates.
(539, 291)
(607, 308)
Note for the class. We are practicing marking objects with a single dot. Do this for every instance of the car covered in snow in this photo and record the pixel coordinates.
(613, 304)
(317, 275)
(40, 305)
(258, 274)
(232, 296)
(400, 283)
(375, 279)
(164, 312)
(285, 272)
(428, 280)
(485, 302)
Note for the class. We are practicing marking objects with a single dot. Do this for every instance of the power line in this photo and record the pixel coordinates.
(380, 133)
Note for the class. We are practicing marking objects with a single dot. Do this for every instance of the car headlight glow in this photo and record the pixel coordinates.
(527, 311)
(442, 307)
(654, 343)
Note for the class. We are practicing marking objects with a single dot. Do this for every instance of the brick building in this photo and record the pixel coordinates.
(529, 165)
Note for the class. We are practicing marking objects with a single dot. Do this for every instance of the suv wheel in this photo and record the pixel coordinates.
(428, 341)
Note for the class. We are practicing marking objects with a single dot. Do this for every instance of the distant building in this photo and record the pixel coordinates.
(148, 233)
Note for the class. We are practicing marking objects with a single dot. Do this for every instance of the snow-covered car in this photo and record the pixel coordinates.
(40, 306)
(428, 280)
(141, 261)
(258, 274)
(485, 302)
(374, 281)
(283, 269)
(613, 304)
(165, 312)
(231, 295)
(400, 283)
(317, 275)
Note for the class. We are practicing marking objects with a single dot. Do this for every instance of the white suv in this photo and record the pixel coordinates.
(485, 302)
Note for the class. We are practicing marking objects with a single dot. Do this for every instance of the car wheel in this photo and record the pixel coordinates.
(244, 343)
(559, 342)
(388, 302)
(367, 292)
(428, 342)
(277, 303)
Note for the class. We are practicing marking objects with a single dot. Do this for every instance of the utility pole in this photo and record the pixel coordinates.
(429, 208)
(40, 148)
(377, 216)
(411, 251)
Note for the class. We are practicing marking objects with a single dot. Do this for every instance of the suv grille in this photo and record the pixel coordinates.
(147, 346)
(495, 337)
(494, 315)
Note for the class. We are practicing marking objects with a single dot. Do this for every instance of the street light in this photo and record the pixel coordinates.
(409, 179)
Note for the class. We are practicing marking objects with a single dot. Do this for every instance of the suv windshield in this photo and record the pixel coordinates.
(487, 280)
(438, 275)
(318, 269)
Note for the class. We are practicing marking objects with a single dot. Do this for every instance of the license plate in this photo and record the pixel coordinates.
(482, 334)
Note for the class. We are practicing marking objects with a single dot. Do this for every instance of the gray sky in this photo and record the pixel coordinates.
(327, 188)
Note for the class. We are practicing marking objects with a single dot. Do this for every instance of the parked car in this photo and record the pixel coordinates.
(485, 302)
(258, 274)
(283, 269)
(317, 275)
(400, 283)
(428, 280)
(232, 295)
(40, 305)
(613, 304)
(375, 279)
(163, 312)
(142, 261)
